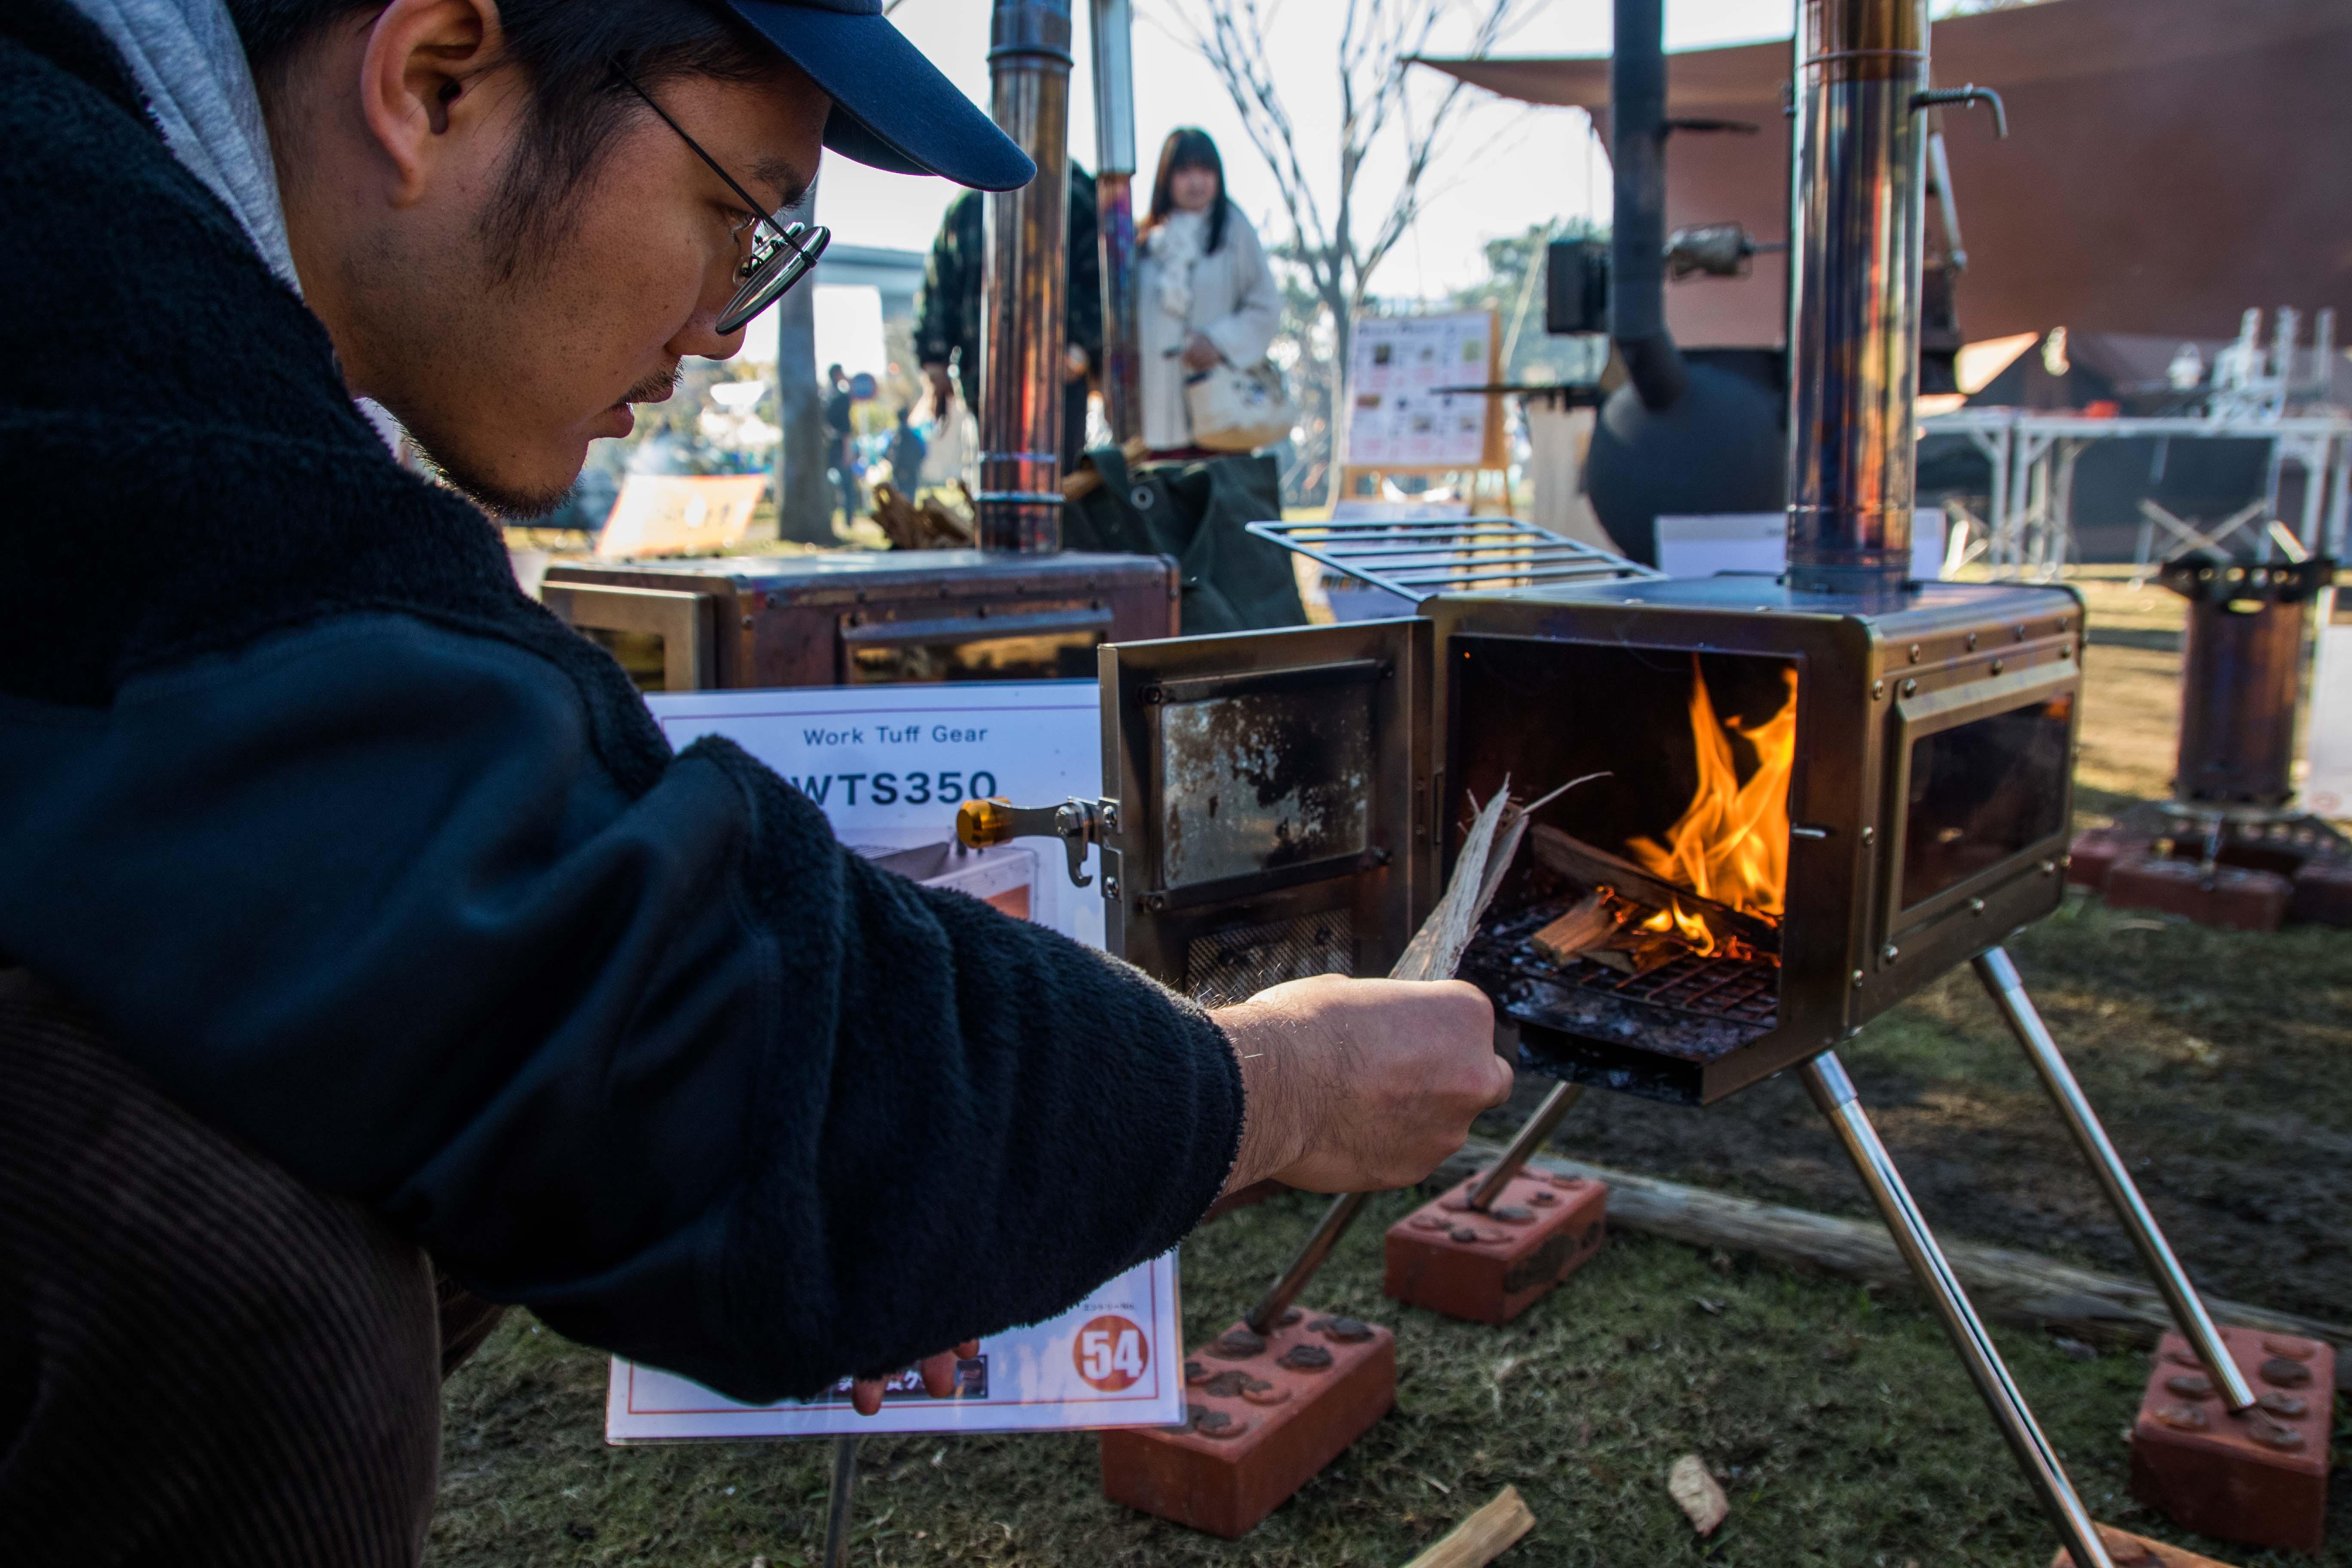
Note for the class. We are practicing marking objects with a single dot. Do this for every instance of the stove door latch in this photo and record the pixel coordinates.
(1076, 822)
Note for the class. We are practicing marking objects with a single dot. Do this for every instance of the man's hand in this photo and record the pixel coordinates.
(939, 1379)
(1361, 1085)
(942, 389)
(1199, 354)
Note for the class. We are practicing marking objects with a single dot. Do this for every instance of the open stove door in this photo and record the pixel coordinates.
(1273, 795)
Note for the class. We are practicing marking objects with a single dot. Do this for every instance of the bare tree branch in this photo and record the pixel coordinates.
(1376, 41)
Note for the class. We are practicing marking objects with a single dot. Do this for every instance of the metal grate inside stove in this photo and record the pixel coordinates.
(1713, 986)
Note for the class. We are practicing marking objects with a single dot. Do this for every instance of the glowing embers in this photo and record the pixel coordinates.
(1731, 846)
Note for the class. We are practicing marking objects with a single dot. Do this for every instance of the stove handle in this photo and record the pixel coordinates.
(1967, 97)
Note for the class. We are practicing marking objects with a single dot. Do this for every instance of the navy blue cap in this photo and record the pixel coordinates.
(891, 106)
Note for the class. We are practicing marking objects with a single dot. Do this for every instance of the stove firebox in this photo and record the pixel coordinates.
(1795, 809)
(1848, 799)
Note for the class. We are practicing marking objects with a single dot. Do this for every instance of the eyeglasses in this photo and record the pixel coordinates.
(781, 252)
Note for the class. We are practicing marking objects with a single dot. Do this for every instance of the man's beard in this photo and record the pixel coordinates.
(510, 505)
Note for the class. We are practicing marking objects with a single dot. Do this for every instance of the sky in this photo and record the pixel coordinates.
(1514, 167)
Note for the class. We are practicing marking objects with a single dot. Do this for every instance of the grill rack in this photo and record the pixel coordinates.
(1710, 986)
(1419, 558)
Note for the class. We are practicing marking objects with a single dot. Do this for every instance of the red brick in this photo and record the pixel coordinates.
(2228, 896)
(2214, 1473)
(2323, 893)
(2130, 1551)
(2095, 852)
(1280, 1424)
(1490, 1267)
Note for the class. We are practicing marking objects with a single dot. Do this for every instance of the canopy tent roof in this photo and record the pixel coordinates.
(2170, 163)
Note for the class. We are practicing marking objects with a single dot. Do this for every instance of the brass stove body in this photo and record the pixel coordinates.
(857, 618)
(1287, 802)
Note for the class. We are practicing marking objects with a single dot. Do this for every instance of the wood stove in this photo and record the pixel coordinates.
(1822, 806)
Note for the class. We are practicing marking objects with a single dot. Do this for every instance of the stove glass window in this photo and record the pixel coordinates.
(1263, 781)
(1982, 791)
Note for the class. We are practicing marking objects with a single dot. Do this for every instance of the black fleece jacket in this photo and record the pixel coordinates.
(372, 862)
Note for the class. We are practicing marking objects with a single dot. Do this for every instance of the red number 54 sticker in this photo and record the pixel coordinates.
(1111, 1353)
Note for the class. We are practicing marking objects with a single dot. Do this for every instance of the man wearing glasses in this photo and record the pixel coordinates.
(360, 939)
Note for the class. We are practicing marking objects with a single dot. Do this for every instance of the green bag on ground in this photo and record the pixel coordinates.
(1232, 580)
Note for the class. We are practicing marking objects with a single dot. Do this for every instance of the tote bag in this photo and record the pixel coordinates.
(1236, 410)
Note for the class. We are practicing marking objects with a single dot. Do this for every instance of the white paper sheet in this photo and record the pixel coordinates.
(1117, 1358)
(889, 765)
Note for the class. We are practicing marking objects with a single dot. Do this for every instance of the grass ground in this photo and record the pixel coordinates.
(1841, 1428)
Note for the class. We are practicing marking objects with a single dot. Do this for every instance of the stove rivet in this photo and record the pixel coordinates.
(2049, 868)
(1869, 833)
(1857, 979)
(1976, 906)
(1890, 953)
(1910, 689)
(1877, 689)
(1972, 642)
(1996, 666)
(1915, 653)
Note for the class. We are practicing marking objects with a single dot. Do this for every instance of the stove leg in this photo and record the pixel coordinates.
(2007, 993)
(1833, 1091)
(1294, 1274)
(837, 1502)
(1524, 1145)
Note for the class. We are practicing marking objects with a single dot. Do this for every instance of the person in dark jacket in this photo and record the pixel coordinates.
(948, 310)
(365, 954)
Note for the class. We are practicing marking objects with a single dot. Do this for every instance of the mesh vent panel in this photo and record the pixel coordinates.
(1223, 967)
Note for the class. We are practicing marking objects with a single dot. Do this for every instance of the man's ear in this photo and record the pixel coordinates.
(420, 78)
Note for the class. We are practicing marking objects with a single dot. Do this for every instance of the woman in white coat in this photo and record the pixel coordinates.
(1204, 291)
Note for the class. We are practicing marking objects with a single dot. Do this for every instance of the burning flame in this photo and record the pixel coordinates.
(1731, 842)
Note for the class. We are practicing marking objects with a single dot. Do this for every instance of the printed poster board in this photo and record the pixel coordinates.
(1397, 420)
(889, 765)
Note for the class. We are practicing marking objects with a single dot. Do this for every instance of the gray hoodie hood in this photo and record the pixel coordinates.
(190, 65)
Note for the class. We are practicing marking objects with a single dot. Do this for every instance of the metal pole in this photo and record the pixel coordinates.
(1832, 1092)
(1266, 1314)
(804, 499)
(1115, 159)
(2007, 991)
(1524, 1145)
(1857, 218)
(838, 1497)
(1026, 308)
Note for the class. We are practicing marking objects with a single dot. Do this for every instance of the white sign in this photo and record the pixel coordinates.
(1396, 418)
(1703, 545)
(889, 765)
(1117, 1358)
(2328, 788)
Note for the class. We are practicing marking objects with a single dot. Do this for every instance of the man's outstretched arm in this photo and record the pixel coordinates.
(675, 1068)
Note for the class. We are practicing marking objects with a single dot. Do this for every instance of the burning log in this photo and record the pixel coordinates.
(1592, 923)
(1593, 867)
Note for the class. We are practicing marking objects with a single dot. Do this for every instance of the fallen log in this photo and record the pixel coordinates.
(2006, 1286)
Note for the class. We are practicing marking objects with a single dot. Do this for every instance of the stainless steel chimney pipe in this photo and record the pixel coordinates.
(1856, 217)
(1024, 311)
(1114, 157)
